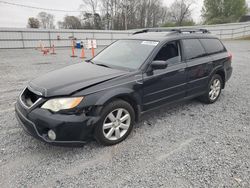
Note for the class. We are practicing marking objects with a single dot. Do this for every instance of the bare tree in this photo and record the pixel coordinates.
(89, 7)
(112, 7)
(33, 23)
(154, 13)
(105, 11)
(131, 14)
(60, 24)
(70, 22)
(89, 4)
(46, 20)
(180, 11)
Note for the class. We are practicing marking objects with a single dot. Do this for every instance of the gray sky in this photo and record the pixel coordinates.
(13, 16)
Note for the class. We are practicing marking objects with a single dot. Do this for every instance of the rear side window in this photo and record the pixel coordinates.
(193, 49)
(212, 46)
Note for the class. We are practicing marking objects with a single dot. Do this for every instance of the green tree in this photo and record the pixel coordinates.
(223, 11)
(33, 23)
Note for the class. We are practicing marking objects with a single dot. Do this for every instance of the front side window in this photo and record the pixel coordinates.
(128, 54)
(193, 49)
(169, 52)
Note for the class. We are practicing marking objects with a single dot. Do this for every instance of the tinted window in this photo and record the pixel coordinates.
(193, 48)
(212, 45)
(169, 52)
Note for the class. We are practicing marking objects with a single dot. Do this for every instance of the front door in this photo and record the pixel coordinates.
(165, 85)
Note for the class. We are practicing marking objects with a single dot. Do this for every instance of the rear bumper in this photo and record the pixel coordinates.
(69, 129)
(229, 72)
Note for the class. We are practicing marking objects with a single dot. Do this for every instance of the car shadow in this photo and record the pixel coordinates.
(164, 111)
(148, 119)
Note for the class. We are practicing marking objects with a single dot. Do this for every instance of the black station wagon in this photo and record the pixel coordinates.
(103, 97)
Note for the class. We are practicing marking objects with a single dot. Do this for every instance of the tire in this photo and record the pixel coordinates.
(116, 123)
(213, 91)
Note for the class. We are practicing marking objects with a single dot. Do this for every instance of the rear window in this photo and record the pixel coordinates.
(193, 48)
(212, 46)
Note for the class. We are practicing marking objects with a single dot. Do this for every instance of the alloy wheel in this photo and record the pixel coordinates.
(116, 124)
(215, 89)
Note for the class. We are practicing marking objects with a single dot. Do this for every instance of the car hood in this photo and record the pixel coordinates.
(72, 78)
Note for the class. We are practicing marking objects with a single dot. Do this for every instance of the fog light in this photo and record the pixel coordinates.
(51, 135)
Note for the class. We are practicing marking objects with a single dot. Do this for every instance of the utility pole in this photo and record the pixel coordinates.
(126, 17)
(125, 6)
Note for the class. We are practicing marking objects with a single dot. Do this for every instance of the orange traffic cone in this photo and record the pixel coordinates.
(93, 51)
(73, 51)
(41, 46)
(45, 51)
(53, 50)
(83, 53)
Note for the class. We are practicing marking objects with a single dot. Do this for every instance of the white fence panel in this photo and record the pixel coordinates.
(29, 38)
(11, 44)
(10, 35)
(35, 36)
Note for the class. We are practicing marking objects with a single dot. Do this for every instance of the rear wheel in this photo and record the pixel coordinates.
(213, 90)
(116, 123)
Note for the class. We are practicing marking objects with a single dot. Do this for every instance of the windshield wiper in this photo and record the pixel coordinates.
(100, 64)
(89, 61)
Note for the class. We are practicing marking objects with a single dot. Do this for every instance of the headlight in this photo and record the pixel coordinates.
(62, 103)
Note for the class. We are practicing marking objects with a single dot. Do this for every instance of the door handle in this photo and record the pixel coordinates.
(138, 79)
(181, 70)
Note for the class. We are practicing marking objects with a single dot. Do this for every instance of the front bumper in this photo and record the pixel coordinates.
(69, 129)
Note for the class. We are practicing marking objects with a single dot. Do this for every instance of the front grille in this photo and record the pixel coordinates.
(29, 98)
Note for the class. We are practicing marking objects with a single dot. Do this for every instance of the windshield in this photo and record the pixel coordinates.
(129, 54)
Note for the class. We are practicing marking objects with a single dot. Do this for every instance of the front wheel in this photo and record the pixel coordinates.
(116, 123)
(213, 90)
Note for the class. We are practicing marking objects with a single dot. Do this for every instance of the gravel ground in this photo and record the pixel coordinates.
(184, 145)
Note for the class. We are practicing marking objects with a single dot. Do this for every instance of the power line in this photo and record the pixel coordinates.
(38, 8)
(46, 9)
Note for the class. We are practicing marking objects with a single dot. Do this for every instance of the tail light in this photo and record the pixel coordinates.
(230, 56)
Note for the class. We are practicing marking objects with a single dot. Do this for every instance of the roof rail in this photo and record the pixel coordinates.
(184, 30)
(195, 31)
(155, 30)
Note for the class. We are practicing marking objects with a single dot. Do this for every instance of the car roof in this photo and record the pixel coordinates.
(168, 35)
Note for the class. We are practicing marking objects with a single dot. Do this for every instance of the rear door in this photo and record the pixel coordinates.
(199, 65)
(216, 50)
(165, 85)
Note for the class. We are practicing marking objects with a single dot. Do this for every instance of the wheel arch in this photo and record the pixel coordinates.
(133, 103)
(125, 94)
(220, 71)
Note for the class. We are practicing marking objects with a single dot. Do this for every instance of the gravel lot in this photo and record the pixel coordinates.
(183, 145)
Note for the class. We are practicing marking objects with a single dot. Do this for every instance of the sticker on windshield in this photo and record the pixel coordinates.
(151, 43)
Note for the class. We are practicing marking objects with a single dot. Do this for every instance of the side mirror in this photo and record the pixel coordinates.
(159, 65)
